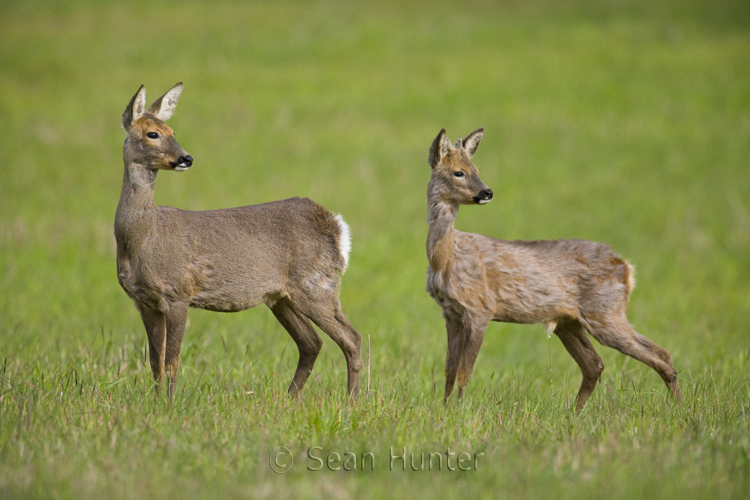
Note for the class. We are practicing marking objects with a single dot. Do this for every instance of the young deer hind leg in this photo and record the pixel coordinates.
(307, 339)
(176, 319)
(156, 329)
(328, 316)
(573, 336)
(619, 335)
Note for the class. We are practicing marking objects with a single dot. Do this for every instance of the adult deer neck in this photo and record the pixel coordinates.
(136, 210)
(441, 234)
(137, 187)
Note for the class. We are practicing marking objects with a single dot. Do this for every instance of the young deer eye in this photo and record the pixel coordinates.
(152, 135)
(458, 174)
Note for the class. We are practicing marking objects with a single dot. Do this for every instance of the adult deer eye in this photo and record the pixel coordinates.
(458, 174)
(152, 135)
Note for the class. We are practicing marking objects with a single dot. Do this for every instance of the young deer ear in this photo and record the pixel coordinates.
(163, 108)
(135, 109)
(441, 146)
(471, 142)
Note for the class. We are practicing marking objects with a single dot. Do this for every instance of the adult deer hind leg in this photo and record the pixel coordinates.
(573, 336)
(307, 339)
(618, 334)
(326, 312)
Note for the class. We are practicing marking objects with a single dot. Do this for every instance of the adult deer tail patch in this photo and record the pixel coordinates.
(344, 240)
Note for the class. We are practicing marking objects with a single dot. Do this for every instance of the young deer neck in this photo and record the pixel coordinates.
(441, 215)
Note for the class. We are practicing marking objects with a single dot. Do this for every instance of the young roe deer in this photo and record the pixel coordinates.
(572, 286)
(288, 254)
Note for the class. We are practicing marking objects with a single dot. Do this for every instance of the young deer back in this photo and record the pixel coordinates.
(287, 254)
(571, 286)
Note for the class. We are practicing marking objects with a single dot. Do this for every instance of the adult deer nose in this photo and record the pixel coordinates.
(186, 160)
(484, 196)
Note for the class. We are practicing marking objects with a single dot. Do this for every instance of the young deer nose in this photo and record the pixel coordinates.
(484, 196)
(186, 160)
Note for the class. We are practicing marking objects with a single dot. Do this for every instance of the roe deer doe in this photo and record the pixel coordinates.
(572, 286)
(288, 254)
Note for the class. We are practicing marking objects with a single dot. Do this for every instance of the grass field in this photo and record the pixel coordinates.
(626, 122)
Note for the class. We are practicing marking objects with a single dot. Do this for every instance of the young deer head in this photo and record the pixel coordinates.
(288, 254)
(454, 176)
(571, 286)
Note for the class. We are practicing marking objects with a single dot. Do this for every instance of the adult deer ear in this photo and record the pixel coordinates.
(163, 108)
(471, 142)
(135, 108)
(441, 146)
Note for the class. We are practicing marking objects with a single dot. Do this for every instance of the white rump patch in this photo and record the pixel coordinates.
(345, 240)
(631, 276)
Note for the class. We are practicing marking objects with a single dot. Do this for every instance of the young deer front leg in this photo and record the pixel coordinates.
(456, 339)
(465, 337)
(474, 337)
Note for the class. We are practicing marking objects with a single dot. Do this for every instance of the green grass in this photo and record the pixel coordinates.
(625, 122)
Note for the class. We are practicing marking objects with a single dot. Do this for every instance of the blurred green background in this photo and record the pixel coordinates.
(619, 121)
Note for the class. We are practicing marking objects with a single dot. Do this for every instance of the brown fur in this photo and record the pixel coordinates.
(288, 254)
(572, 286)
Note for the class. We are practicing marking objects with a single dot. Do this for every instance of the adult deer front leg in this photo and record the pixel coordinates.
(176, 319)
(156, 329)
